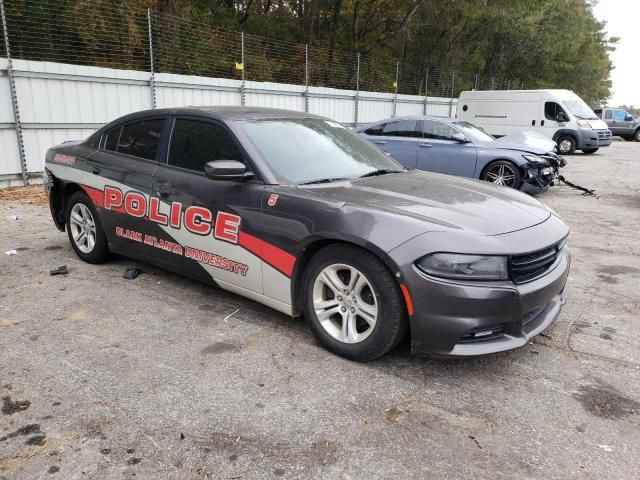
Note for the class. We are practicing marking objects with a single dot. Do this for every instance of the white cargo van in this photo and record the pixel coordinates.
(558, 114)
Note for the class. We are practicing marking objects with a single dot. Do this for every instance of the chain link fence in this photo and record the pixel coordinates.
(106, 35)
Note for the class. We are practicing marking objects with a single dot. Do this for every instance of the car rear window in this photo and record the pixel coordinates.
(195, 143)
(401, 128)
(141, 139)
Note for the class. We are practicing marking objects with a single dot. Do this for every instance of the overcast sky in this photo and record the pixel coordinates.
(623, 20)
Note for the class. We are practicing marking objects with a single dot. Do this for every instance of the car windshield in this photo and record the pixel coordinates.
(307, 150)
(579, 109)
(474, 133)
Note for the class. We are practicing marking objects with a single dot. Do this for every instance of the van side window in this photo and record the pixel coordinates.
(551, 110)
(111, 139)
(437, 130)
(607, 114)
(195, 143)
(141, 139)
(401, 128)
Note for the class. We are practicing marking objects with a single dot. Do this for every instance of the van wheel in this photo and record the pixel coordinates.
(502, 172)
(589, 151)
(353, 303)
(566, 145)
(85, 230)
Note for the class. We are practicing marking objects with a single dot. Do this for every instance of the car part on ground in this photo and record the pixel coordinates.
(290, 223)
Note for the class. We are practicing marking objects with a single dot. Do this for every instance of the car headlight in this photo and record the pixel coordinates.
(583, 124)
(529, 157)
(464, 267)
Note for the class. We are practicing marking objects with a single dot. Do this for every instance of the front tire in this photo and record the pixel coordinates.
(636, 135)
(84, 229)
(566, 145)
(353, 303)
(589, 151)
(502, 172)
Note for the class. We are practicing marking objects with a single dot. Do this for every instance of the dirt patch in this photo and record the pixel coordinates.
(604, 401)
(617, 269)
(608, 279)
(219, 347)
(26, 430)
(9, 407)
(33, 194)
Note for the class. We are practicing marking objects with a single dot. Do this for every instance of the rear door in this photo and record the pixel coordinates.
(439, 152)
(399, 138)
(124, 164)
(208, 219)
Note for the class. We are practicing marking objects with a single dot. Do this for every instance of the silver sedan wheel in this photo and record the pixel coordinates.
(83, 228)
(345, 303)
(501, 175)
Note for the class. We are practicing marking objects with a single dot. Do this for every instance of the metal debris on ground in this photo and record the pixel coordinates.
(231, 314)
(131, 273)
(586, 191)
(61, 270)
(11, 252)
(15, 216)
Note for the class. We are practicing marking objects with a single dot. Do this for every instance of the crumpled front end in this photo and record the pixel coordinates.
(541, 171)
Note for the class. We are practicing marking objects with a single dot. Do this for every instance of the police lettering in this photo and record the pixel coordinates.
(195, 219)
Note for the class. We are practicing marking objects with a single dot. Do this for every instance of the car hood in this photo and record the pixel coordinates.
(442, 202)
(531, 142)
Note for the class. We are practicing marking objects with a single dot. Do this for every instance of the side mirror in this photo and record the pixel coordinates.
(628, 118)
(460, 138)
(226, 170)
(562, 117)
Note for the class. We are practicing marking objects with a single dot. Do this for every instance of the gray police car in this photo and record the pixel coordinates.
(296, 212)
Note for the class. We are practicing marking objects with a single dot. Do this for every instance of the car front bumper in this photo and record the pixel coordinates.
(588, 139)
(454, 319)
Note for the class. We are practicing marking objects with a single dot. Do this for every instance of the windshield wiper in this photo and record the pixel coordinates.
(323, 180)
(380, 171)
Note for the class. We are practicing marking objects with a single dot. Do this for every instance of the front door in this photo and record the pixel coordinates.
(207, 219)
(620, 125)
(439, 152)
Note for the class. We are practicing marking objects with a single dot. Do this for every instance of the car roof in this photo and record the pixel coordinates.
(221, 112)
(406, 117)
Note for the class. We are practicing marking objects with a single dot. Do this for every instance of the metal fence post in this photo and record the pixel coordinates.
(242, 92)
(453, 86)
(426, 93)
(395, 95)
(306, 77)
(475, 87)
(357, 97)
(152, 79)
(14, 98)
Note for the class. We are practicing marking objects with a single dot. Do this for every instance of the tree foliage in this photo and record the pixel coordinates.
(533, 43)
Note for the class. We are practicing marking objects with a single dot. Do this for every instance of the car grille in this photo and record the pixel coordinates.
(604, 134)
(524, 268)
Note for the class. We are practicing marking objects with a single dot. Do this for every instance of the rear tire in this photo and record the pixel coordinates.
(566, 145)
(84, 229)
(589, 151)
(502, 172)
(353, 303)
(636, 135)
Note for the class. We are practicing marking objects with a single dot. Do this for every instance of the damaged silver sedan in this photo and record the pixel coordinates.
(525, 161)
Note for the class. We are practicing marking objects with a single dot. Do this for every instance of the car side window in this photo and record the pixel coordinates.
(141, 139)
(607, 114)
(194, 143)
(401, 128)
(111, 139)
(437, 130)
(552, 110)
(619, 115)
(376, 129)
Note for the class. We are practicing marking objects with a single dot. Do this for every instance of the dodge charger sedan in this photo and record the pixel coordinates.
(296, 212)
(524, 161)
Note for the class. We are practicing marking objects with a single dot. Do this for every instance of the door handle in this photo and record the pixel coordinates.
(163, 189)
(426, 145)
(380, 142)
(542, 123)
(96, 170)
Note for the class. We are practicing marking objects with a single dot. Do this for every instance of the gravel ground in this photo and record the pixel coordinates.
(158, 377)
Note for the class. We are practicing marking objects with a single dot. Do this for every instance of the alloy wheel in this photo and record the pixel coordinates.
(83, 228)
(501, 175)
(345, 303)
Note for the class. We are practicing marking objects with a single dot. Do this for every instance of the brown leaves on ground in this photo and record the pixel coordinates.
(33, 194)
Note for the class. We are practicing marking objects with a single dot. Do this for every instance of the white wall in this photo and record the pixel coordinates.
(59, 102)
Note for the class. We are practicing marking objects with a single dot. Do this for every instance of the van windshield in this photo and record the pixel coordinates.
(580, 110)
